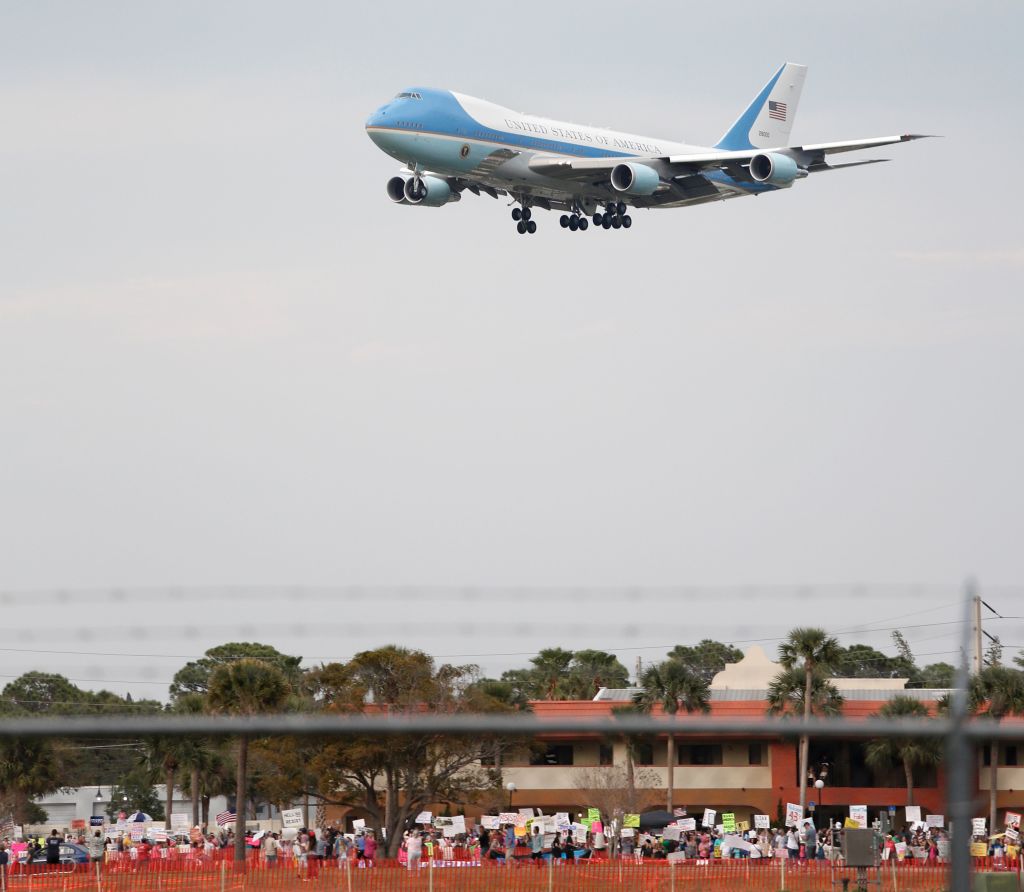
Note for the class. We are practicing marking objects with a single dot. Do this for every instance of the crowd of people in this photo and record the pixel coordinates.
(306, 851)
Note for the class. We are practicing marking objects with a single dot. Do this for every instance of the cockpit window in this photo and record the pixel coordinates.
(408, 96)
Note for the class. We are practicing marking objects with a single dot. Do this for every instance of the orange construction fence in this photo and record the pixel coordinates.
(220, 874)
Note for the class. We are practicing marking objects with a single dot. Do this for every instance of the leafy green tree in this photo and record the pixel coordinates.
(996, 693)
(409, 773)
(937, 675)
(29, 767)
(907, 752)
(814, 652)
(194, 677)
(134, 792)
(672, 685)
(591, 670)
(864, 661)
(707, 658)
(245, 687)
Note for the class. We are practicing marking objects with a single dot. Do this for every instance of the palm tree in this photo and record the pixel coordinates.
(997, 691)
(246, 688)
(910, 752)
(160, 761)
(672, 684)
(194, 754)
(812, 650)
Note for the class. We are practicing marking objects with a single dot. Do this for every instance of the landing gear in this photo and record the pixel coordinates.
(524, 222)
(573, 222)
(614, 217)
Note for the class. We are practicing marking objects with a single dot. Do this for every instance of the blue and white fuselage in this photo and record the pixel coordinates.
(449, 142)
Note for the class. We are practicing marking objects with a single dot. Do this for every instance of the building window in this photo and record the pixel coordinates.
(755, 754)
(643, 754)
(1007, 755)
(558, 754)
(487, 757)
(604, 754)
(700, 754)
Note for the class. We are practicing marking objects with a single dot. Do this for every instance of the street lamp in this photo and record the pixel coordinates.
(511, 787)
(99, 795)
(819, 785)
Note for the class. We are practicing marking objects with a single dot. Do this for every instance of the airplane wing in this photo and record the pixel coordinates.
(809, 156)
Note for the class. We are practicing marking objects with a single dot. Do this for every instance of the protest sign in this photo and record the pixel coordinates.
(509, 817)
(1012, 835)
(424, 817)
(977, 826)
(627, 831)
(562, 821)
(936, 820)
(593, 814)
(579, 833)
(670, 833)
(979, 849)
(851, 824)
(729, 822)
(687, 824)
(596, 827)
(490, 822)
(179, 822)
(762, 822)
(359, 824)
(526, 813)
(859, 813)
(631, 821)
(913, 813)
(679, 812)
(1012, 818)
(793, 814)
(709, 818)
(292, 817)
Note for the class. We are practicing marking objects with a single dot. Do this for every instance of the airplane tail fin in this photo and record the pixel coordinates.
(769, 119)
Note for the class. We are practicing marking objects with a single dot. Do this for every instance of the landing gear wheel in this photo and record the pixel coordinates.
(574, 223)
(527, 213)
(607, 222)
(584, 223)
(617, 222)
(627, 221)
(563, 221)
(521, 227)
(597, 219)
(517, 214)
(531, 226)
(621, 208)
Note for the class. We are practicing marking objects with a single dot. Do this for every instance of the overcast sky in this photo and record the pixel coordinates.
(226, 358)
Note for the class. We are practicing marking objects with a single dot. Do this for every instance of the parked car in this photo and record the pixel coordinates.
(70, 853)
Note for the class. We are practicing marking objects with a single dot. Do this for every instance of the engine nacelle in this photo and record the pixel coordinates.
(774, 169)
(433, 191)
(635, 179)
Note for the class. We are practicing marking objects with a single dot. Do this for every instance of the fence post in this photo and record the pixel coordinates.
(430, 878)
(672, 875)
(551, 871)
(223, 874)
(895, 884)
(348, 872)
(782, 871)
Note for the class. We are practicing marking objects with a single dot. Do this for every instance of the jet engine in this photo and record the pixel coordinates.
(635, 179)
(430, 192)
(774, 169)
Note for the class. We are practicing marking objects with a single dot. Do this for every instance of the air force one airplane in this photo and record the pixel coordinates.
(451, 143)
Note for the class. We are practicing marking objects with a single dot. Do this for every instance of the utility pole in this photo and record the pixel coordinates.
(977, 658)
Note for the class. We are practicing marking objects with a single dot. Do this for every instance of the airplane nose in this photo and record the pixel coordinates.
(378, 118)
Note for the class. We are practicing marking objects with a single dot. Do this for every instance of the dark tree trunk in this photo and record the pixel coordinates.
(195, 796)
(240, 796)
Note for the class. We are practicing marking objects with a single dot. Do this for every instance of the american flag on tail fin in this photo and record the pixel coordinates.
(777, 110)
